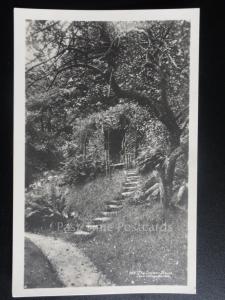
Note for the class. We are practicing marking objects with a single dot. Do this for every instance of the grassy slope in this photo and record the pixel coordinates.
(38, 270)
(120, 249)
(88, 200)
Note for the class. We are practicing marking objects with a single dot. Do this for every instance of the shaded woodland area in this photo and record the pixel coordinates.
(116, 86)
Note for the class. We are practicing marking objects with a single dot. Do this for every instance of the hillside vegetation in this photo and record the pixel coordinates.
(97, 95)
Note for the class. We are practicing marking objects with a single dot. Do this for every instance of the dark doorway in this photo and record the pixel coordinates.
(113, 143)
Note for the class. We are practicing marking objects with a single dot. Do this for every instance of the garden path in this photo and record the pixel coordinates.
(72, 266)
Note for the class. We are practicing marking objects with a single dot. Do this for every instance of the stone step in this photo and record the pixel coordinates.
(108, 209)
(114, 205)
(81, 232)
(81, 235)
(127, 194)
(113, 208)
(131, 172)
(113, 202)
(131, 184)
(133, 177)
(129, 188)
(108, 213)
(92, 227)
(101, 220)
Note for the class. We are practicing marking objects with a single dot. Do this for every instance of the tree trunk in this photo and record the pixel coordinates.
(161, 111)
(168, 176)
(167, 116)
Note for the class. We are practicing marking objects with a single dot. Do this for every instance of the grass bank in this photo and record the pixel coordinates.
(137, 249)
(88, 200)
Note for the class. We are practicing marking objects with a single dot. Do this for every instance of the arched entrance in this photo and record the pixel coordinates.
(120, 148)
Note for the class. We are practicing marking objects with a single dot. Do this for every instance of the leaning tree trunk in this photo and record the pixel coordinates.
(168, 175)
(163, 113)
(167, 117)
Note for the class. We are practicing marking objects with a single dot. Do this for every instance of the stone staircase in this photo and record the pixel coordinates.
(111, 208)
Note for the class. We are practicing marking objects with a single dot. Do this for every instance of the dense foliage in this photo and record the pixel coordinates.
(46, 204)
(85, 77)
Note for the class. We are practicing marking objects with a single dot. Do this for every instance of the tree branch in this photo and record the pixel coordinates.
(47, 60)
(138, 97)
(77, 65)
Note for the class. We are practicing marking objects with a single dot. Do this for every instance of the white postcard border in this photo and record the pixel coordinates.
(20, 15)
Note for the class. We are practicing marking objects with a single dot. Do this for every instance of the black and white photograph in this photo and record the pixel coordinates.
(105, 151)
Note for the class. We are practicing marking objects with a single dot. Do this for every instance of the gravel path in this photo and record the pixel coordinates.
(72, 266)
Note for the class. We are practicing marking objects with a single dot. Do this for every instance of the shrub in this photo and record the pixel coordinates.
(150, 159)
(79, 170)
(46, 204)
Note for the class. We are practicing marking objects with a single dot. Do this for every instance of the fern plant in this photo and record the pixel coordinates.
(46, 205)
